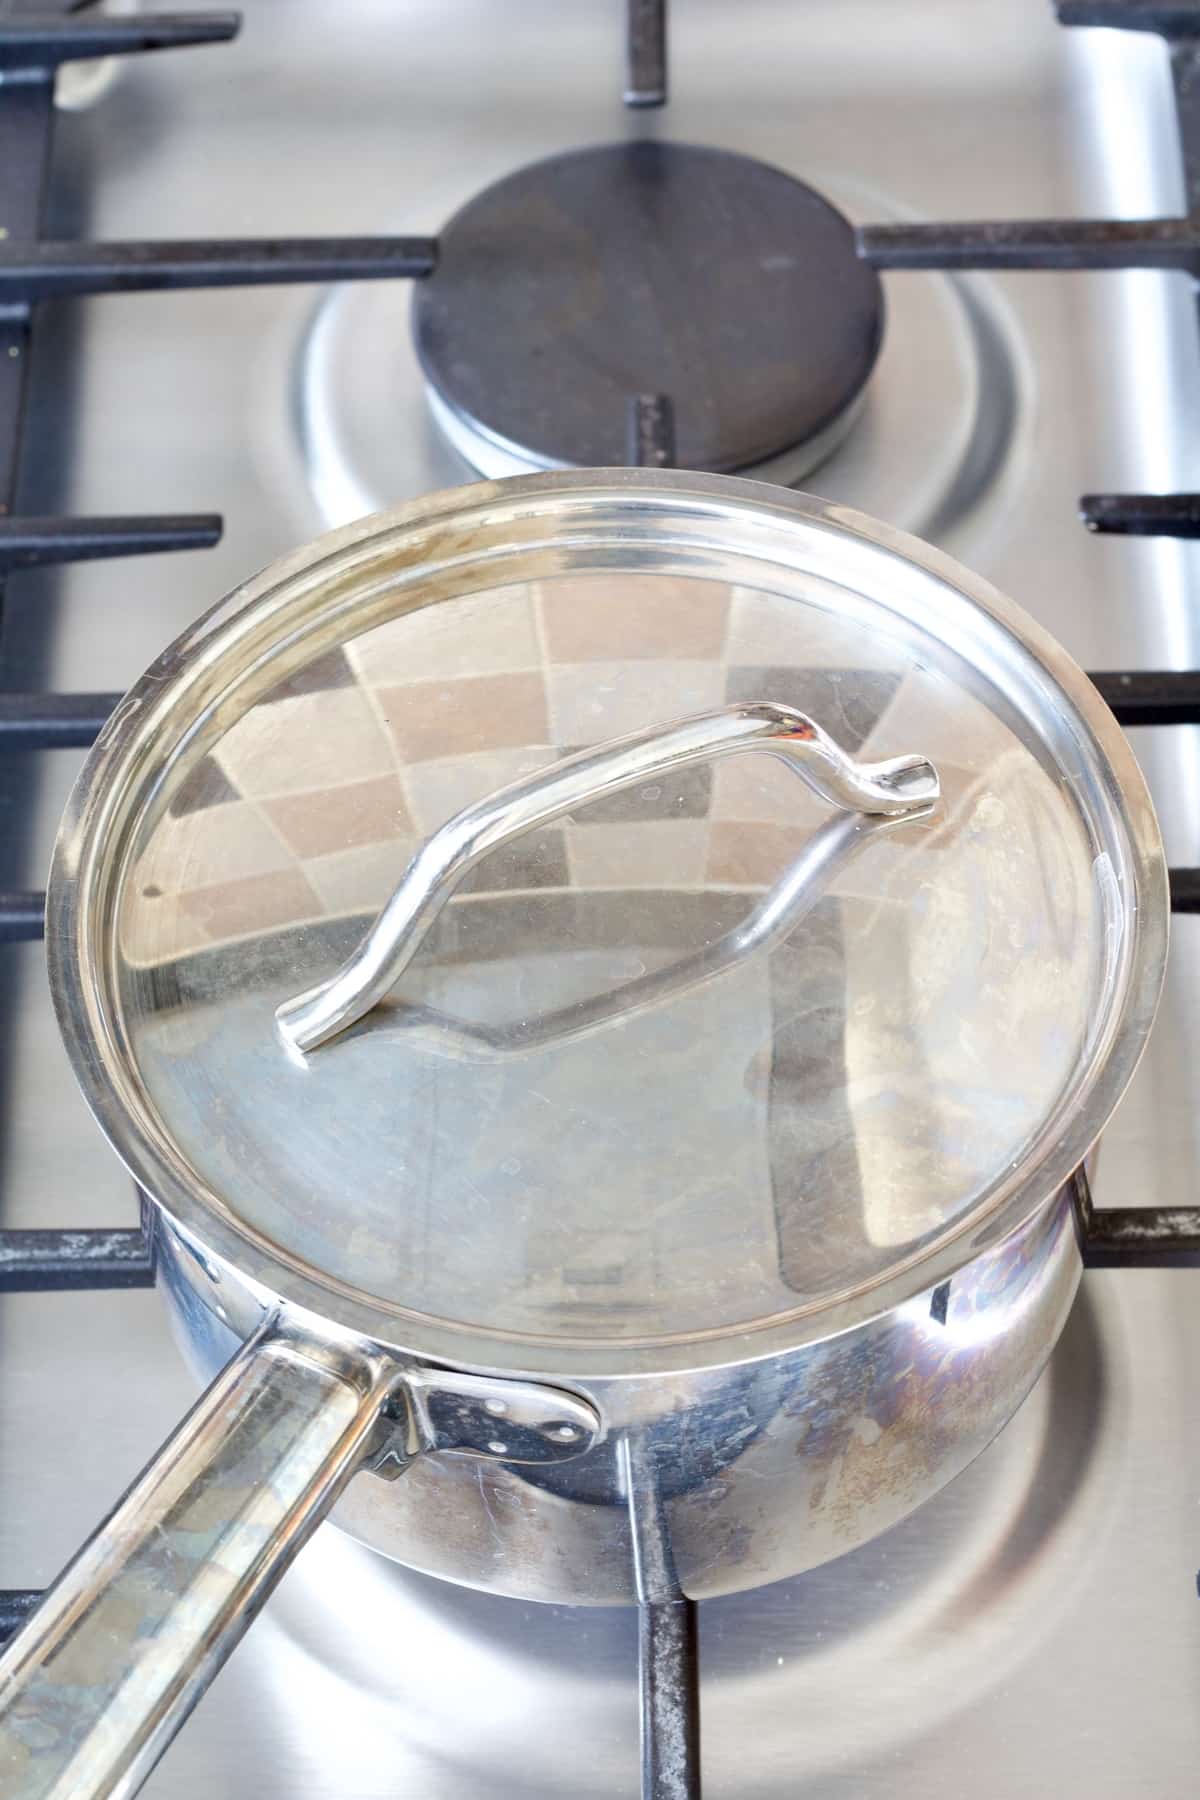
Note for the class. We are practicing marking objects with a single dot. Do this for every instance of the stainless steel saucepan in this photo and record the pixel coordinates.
(711, 1151)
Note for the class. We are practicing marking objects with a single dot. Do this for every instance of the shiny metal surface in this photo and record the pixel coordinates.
(903, 786)
(95, 1687)
(760, 1468)
(989, 1639)
(984, 993)
(773, 1435)
(762, 1449)
(827, 854)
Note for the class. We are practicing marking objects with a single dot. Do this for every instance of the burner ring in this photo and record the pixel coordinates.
(648, 268)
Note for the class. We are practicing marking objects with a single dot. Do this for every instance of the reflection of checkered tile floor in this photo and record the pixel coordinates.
(431, 711)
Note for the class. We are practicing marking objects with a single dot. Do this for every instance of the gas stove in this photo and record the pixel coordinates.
(1036, 1627)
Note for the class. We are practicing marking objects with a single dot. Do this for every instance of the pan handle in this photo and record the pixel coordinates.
(901, 786)
(106, 1671)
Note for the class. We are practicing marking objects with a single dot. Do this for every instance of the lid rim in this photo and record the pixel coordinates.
(81, 879)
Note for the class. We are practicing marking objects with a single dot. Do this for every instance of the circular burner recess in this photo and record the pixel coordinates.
(648, 268)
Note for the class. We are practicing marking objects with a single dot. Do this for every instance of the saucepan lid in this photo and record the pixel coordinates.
(609, 921)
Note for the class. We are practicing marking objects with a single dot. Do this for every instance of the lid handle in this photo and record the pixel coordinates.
(798, 888)
(902, 785)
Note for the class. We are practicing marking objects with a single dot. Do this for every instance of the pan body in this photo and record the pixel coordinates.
(762, 1469)
(824, 1202)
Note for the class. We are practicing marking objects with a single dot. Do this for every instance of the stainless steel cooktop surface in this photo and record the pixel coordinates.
(1037, 1627)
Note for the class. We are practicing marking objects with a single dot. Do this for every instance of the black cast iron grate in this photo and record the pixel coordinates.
(1171, 243)
(1147, 697)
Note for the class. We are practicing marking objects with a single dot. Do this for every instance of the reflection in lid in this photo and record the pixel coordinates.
(777, 1135)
